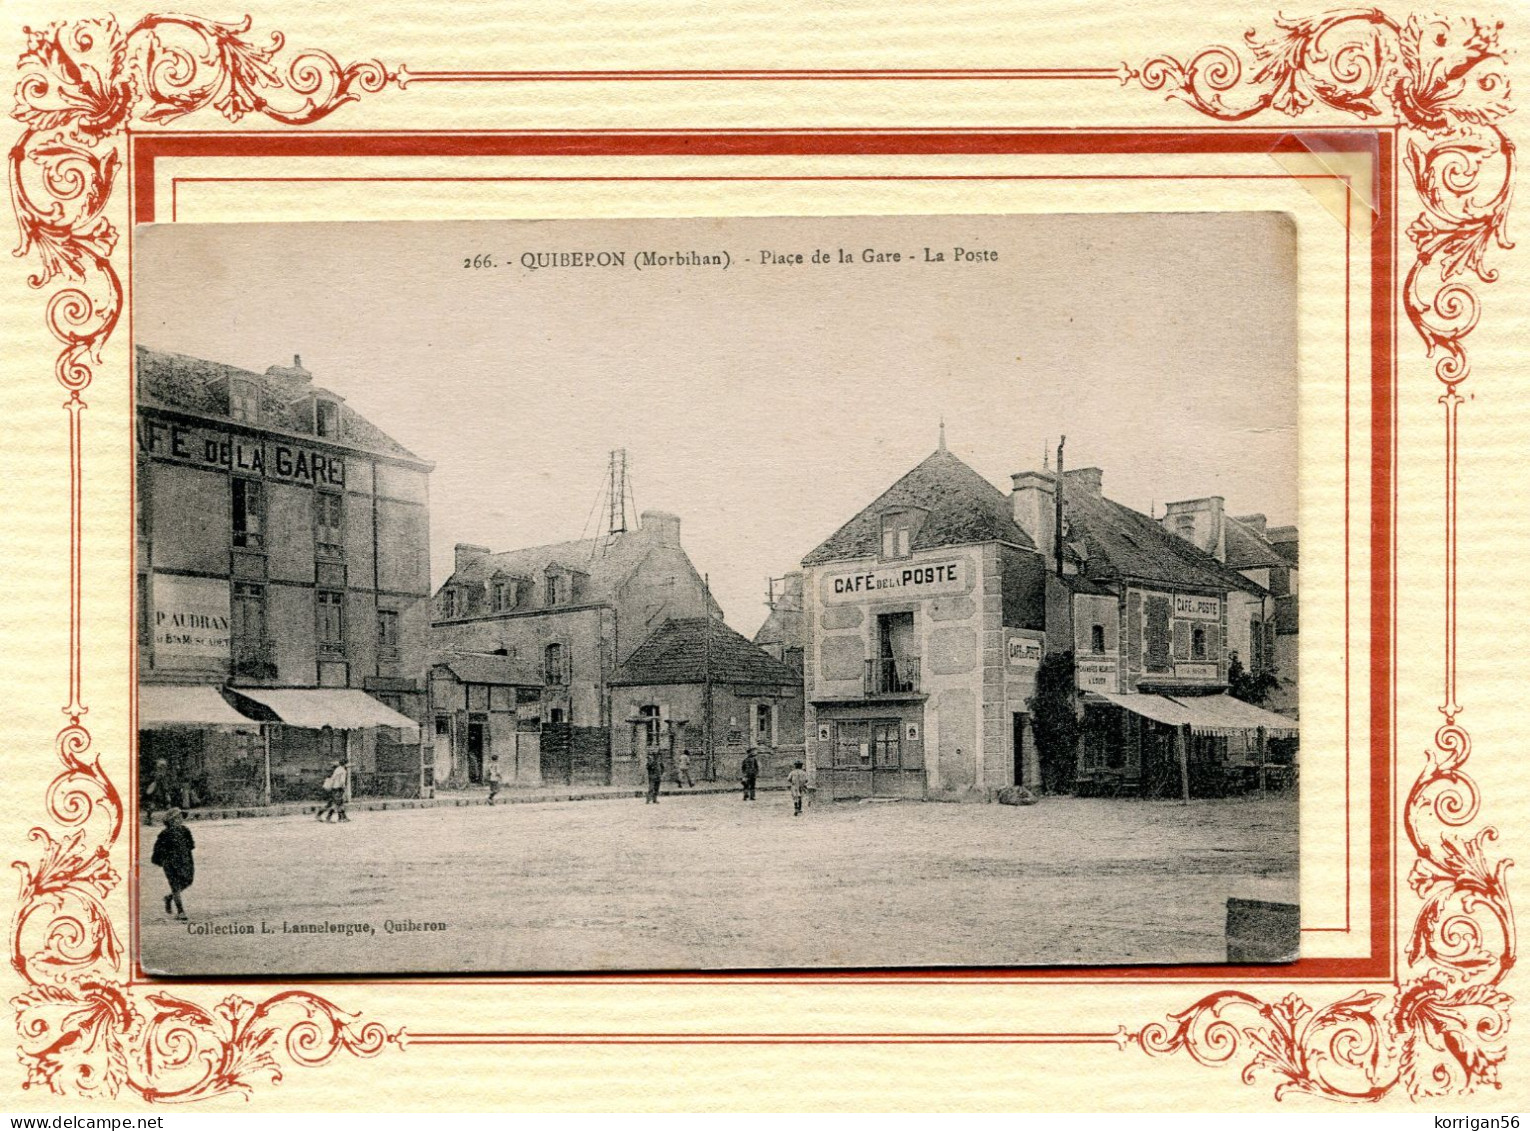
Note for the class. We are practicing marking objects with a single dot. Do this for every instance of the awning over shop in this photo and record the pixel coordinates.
(343, 708)
(1224, 715)
(1154, 707)
(163, 705)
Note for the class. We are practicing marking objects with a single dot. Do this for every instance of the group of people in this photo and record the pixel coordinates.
(749, 776)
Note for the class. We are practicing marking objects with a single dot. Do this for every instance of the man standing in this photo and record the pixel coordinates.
(749, 772)
(683, 769)
(655, 776)
(493, 777)
(334, 787)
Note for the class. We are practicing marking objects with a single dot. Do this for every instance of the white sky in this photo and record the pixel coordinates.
(764, 405)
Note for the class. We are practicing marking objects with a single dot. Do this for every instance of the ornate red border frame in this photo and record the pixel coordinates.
(1439, 1027)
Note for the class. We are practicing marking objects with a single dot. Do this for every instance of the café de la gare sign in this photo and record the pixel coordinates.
(912, 581)
(207, 447)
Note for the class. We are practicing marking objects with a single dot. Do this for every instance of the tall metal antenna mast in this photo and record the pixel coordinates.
(617, 492)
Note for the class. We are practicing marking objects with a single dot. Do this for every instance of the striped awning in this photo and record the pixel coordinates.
(1154, 707)
(165, 705)
(1223, 715)
(341, 708)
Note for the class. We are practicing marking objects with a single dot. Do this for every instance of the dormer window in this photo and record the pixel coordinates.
(244, 401)
(506, 593)
(326, 418)
(557, 589)
(898, 534)
(449, 603)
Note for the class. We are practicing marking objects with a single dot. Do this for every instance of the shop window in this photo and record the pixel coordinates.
(897, 534)
(244, 401)
(763, 728)
(1198, 644)
(555, 715)
(651, 725)
(331, 622)
(387, 633)
(852, 744)
(555, 671)
(329, 524)
(326, 418)
(249, 513)
(887, 745)
(1097, 639)
(248, 622)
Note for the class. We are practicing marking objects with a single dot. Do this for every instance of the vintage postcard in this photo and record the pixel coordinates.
(631, 594)
(851, 557)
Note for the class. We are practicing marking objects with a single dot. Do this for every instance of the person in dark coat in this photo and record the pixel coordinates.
(749, 773)
(655, 776)
(172, 852)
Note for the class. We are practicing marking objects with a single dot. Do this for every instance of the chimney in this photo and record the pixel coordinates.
(468, 554)
(1087, 480)
(1032, 504)
(661, 527)
(1199, 522)
(1257, 521)
(296, 373)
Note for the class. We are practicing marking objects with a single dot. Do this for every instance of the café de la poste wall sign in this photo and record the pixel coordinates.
(907, 581)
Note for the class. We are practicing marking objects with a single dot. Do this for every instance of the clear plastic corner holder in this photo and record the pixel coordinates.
(1349, 160)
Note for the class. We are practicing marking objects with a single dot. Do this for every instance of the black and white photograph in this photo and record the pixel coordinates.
(717, 594)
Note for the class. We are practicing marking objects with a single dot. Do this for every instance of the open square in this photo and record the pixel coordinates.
(714, 882)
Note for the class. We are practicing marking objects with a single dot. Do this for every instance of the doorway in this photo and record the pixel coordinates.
(476, 741)
(1019, 757)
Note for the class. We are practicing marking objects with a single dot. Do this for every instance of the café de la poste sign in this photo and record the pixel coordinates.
(931, 579)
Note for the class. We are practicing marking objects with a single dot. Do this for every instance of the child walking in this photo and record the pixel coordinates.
(493, 777)
(797, 782)
(172, 852)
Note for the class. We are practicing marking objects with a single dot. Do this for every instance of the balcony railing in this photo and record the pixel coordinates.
(888, 675)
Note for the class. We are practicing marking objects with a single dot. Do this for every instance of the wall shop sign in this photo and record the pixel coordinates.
(1195, 671)
(1190, 607)
(914, 581)
(1023, 652)
(191, 621)
(1096, 675)
(206, 447)
(823, 732)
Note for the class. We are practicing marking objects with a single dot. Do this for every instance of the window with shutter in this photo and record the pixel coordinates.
(1155, 616)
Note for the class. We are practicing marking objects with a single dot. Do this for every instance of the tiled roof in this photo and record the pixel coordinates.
(677, 653)
(1247, 550)
(503, 671)
(174, 380)
(961, 508)
(1114, 541)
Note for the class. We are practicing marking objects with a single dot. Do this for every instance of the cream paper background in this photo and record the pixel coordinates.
(999, 1076)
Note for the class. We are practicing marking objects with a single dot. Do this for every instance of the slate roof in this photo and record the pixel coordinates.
(785, 624)
(190, 384)
(962, 508)
(604, 568)
(677, 653)
(1246, 549)
(1111, 541)
(502, 671)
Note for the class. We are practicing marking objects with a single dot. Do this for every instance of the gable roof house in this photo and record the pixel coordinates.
(574, 611)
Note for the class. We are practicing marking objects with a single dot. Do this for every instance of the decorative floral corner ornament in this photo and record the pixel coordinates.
(1442, 1029)
(82, 1029)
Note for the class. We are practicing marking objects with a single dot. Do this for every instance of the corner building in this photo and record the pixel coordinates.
(283, 586)
(924, 618)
